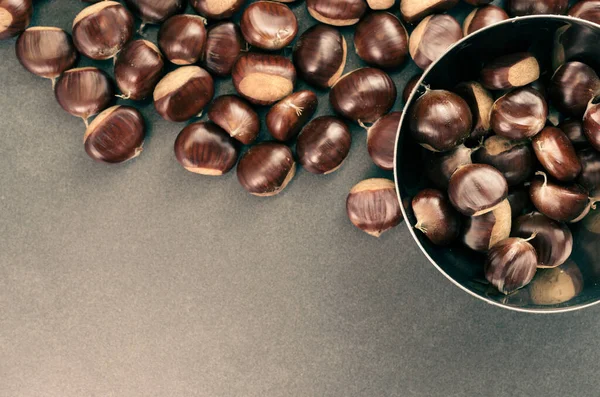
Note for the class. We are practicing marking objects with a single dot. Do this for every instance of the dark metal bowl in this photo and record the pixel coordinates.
(575, 39)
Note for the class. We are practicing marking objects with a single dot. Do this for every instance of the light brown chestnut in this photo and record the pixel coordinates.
(224, 43)
(573, 86)
(510, 71)
(380, 4)
(555, 286)
(519, 114)
(519, 8)
(15, 16)
(439, 166)
(565, 203)
(514, 159)
(381, 140)
(591, 123)
(410, 87)
(336, 12)
(181, 38)
(483, 17)
(480, 102)
(436, 218)
(287, 117)
(586, 9)
(414, 10)
(138, 68)
(236, 117)
(266, 169)
(269, 25)
(323, 145)
(155, 11)
(511, 264)
(217, 9)
(432, 38)
(476, 189)
(573, 129)
(389, 47)
(556, 154)
(484, 231)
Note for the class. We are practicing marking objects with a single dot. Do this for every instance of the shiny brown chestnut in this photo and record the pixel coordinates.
(323, 145)
(586, 9)
(373, 206)
(116, 135)
(514, 159)
(287, 117)
(432, 37)
(263, 79)
(555, 286)
(440, 120)
(475, 189)
(483, 17)
(15, 16)
(363, 95)
(101, 30)
(224, 43)
(181, 38)
(519, 201)
(439, 167)
(519, 114)
(573, 129)
(519, 8)
(389, 47)
(155, 11)
(436, 218)
(511, 264)
(217, 9)
(380, 4)
(414, 10)
(183, 93)
(323, 70)
(590, 168)
(484, 231)
(480, 102)
(46, 51)
(573, 86)
(236, 117)
(591, 123)
(566, 203)
(84, 92)
(553, 240)
(138, 68)
(381, 140)
(510, 71)
(266, 169)
(556, 154)
(410, 87)
(335, 12)
(269, 25)
(206, 149)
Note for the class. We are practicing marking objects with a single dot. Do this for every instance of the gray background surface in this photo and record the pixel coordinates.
(147, 280)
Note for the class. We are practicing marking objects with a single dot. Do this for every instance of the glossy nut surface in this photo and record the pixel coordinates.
(511, 264)
(476, 189)
(217, 9)
(268, 25)
(436, 218)
(181, 39)
(381, 140)
(520, 114)
(155, 11)
(483, 17)
(335, 12)
(386, 49)
(432, 38)
(556, 154)
(323, 145)
(514, 159)
(15, 16)
(84, 92)
(138, 68)
(46, 51)
(266, 169)
(236, 117)
(224, 43)
(287, 117)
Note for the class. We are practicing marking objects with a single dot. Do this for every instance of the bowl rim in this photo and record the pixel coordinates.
(563, 18)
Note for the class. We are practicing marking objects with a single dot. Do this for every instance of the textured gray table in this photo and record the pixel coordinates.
(147, 280)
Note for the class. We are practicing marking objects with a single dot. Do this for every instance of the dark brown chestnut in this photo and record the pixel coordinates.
(236, 117)
(84, 92)
(586, 9)
(15, 16)
(206, 149)
(116, 135)
(519, 114)
(476, 189)
(269, 25)
(484, 231)
(264, 79)
(518, 197)
(440, 120)
(323, 70)
(181, 38)
(483, 17)
(287, 117)
(266, 169)
(519, 8)
(381, 140)
(573, 86)
(388, 48)
(155, 11)
(556, 154)
(414, 10)
(410, 87)
(363, 95)
(566, 203)
(514, 159)
(224, 43)
(217, 9)
(591, 123)
(183, 93)
(323, 145)
(555, 286)
(436, 218)
(590, 166)
(335, 12)
(480, 102)
(432, 38)
(511, 264)
(46, 51)
(439, 167)
(510, 71)
(138, 68)
(553, 240)
(573, 129)
(380, 4)
(101, 30)
(373, 206)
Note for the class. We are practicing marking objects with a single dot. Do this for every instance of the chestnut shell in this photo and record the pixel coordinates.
(511, 264)
(436, 218)
(84, 92)
(586, 9)
(181, 39)
(519, 8)
(519, 114)
(564, 203)
(323, 145)
(215, 9)
(266, 169)
(156, 11)
(287, 117)
(388, 47)
(381, 140)
(235, 116)
(432, 38)
(572, 87)
(269, 25)
(19, 13)
(483, 17)
(224, 43)
(591, 124)
(439, 166)
(476, 189)
(514, 159)
(336, 12)
(590, 165)
(484, 231)
(138, 68)
(556, 154)
(46, 51)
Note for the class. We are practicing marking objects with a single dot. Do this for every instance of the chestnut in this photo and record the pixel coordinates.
(336, 12)
(324, 70)
(217, 9)
(590, 165)
(410, 87)
(183, 93)
(264, 79)
(224, 43)
(480, 102)
(84, 92)
(519, 8)
(373, 206)
(439, 167)
(101, 30)
(586, 9)
(266, 169)
(519, 201)
(555, 286)
(475, 189)
(573, 86)
(138, 68)
(440, 120)
(46, 51)
(484, 231)
(206, 149)
(556, 154)
(15, 16)
(483, 17)
(287, 117)
(553, 240)
(269, 25)
(511, 264)
(236, 117)
(591, 123)
(363, 95)
(380, 4)
(565, 203)
(432, 38)
(181, 38)
(519, 114)
(116, 135)
(155, 11)
(514, 159)
(389, 47)
(381, 140)
(323, 145)
(436, 218)
(414, 10)
(573, 129)
(510, 71)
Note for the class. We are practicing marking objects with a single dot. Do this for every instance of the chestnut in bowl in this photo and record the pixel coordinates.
(510, 71)
(514, 159)
(432, 38)
(565, 203)
(591, 123)
(323, 145)
(440, 166)
(554, 286)
(336, 12)
(181, 38)
(511, 264)
(484, 231)
(15, 16)
(573, 129)
(573, 86)
(269, 25)
(236, 117)
(224, 43)
(480, 102)
(266, 169)
(389, 47)
(138, 68)
(590, 168)
(556, 154)
(436, 218)
(287, 117)
(410, 87)
(586, 9)
(476, 189)
(519, 114)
